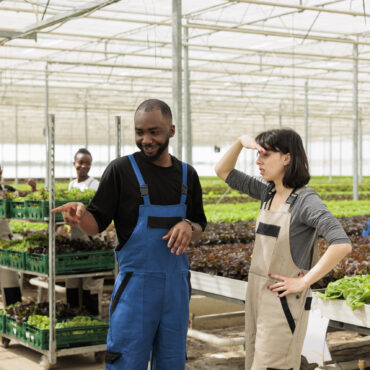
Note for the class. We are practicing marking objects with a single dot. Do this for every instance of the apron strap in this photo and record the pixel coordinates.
(144, 191)
(184, 186)
(266, 204)
(293, 196)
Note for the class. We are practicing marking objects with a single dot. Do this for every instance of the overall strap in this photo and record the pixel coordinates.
(143, 187)
(184, 185)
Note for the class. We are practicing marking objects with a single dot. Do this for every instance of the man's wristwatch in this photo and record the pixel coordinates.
(190, 223)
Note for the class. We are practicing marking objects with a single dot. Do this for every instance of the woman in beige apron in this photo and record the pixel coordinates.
(279, 297)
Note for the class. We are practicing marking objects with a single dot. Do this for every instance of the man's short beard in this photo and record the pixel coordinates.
(161, 149)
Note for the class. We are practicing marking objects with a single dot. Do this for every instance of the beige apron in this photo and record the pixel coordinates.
(275, 327)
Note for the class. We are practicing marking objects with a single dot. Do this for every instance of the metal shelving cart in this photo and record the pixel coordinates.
(50, 355)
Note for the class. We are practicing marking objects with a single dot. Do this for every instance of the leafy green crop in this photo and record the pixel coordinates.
(249, 211)
(42, 322)
(19, 227)
(73, 194)
(355, 290)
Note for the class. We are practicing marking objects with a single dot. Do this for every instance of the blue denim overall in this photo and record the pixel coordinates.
(149, 310)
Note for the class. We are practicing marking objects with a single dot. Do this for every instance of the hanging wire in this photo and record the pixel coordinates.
(46, 7)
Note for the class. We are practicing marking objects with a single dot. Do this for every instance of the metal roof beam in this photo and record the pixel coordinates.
(275, 33)
(13, 34)
(283, 4)
(88, 8)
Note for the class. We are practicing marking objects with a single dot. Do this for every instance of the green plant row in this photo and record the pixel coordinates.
(249, 211)
(62, 195)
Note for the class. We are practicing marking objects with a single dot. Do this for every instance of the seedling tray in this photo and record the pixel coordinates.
(71, 263)
(67, 337)
(39, 210)
(4, 257)
(12, 328)
(4, 208)
(16, 259)
(17, 210)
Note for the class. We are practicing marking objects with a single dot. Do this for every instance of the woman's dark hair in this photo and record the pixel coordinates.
(297, 172)
(82, 151)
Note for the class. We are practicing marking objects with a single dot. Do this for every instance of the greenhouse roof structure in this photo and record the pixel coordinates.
(253, 64)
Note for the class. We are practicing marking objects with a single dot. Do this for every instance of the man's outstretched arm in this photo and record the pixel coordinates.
(75, 214)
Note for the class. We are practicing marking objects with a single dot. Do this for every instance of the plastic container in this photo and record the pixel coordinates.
(17, 210)
(12, 328)
(4, 257)
(67, 337)
(39, 210)
(71, 263)
(4, 208)
(16, 259)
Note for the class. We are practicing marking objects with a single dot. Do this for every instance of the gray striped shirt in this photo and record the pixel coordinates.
(308, 214)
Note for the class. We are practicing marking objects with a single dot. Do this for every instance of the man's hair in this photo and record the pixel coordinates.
(285, 141)
(82, 151)
(153, 104)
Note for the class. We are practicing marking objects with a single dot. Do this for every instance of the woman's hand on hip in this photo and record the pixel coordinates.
(288, 285)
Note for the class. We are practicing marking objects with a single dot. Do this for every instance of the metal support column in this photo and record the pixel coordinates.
(340, 155)
(176, 76)
(47, 124)
(355, 123)
(306, 116)
(360, 152)
(187, 101)
(16, 144)
(108, 126)
(118, 136)
(280, 117)
(51, 180)
(330, 150)
(86, 123)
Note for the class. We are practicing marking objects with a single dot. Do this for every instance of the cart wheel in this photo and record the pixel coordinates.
(45, 364)
(99, 357)
(5, 342)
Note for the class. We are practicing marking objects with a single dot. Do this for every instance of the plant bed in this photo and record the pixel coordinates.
(71, 262)
(233, 260)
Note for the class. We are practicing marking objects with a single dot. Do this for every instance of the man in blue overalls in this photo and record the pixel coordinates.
(156, 204)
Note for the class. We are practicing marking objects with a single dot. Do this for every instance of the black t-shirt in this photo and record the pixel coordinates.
(118, 195)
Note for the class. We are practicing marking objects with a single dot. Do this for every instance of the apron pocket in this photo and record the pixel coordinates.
(120, 290)
(273, 333)
(112, 357)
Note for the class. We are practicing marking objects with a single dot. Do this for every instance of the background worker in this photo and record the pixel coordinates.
(92, 287)
(156, 203)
